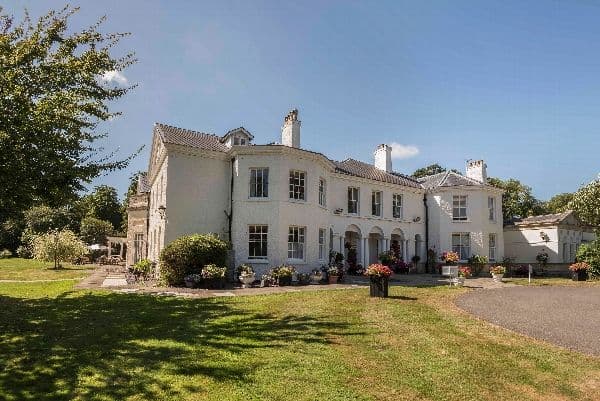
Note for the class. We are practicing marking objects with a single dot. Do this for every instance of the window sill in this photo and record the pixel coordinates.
(258, 261)
(461, 221)
(296, 261)
(297, 200)
(259, 199)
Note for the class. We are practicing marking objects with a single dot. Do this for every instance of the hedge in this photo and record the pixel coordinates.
(188, 254)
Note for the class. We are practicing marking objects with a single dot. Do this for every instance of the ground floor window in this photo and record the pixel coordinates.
(492, 245)
(257, 241)
(296, 239)
(461, 244)
(138, 247)
(321, 244)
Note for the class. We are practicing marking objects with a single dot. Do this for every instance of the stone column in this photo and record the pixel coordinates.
(386, 244)
(342, 242)
(365, 256)
(109, 249)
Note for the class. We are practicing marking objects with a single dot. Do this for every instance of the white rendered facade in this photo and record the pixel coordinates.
(280, 204)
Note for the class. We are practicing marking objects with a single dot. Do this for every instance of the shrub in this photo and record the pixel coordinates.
(25, 252)
(5, 254)
(590, 253)
(212, 271)
(58, 246)
(95, 231)
(142, 268)
(477, 262)
(188, 254)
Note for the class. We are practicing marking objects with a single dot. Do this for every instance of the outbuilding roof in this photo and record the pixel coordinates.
(555, 218)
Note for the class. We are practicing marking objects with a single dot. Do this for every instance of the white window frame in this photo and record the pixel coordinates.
(492, 239)
(376, 208)
(459, 204)
(322, 192)
(296, 243)
(397, 207)
(322, 243)
(264, 184)
(258, 234)
(462, 245)
(352, 191)
(297, 185)
(492, 208)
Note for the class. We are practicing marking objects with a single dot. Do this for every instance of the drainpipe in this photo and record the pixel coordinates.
(426, 233)
(230, 214)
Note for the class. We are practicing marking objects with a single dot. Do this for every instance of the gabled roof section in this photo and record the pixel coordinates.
(185, 137)
(359, 169)
(241, 130)
(448, 179)
(556, 218)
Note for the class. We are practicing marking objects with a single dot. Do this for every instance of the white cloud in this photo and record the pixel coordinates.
(114, 76)
(400, 151)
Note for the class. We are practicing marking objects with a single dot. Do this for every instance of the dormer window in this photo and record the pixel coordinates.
(239, 140)
(237, 137)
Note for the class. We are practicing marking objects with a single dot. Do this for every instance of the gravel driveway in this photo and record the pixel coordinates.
(566, 316)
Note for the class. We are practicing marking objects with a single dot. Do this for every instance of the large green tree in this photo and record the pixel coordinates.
(431, 170)
(103, 204)
(586, 203)
(517, 200)
(54, 93)
(559, 203)
(131, 191)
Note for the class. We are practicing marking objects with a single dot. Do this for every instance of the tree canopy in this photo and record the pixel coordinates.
(559, 203)
(517, 200)
(431, 170)
(52, 99)
(586, 203)
(103, 204)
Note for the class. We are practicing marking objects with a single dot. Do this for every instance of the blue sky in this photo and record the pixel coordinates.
(515, 83)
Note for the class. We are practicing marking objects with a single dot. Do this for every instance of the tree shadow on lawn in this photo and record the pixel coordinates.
(115, 346)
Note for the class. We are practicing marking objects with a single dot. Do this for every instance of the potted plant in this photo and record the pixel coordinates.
(333, 274)
(450, 258)
(415, 260)
(316, 276)
(497, 273)
(464, 272)
(542, 259)
(283, 275)
(379, 279)
(579, 271)
(267, 280)
(213, 276)
(477, 263)
(246, 275)
(192, 280)
(387, 258)
(303, 278)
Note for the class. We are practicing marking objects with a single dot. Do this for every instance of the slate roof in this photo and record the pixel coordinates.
(359, 169)
(185, 137)
(447, 179)
(543, 219)
(143, 185)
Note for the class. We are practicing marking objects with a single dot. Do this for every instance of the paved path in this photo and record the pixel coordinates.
(565, 316)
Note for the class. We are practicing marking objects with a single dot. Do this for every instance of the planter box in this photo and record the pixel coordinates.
(497, 277)
(284, 281)
(581, 275)
(333, 279)
(214, 283)
(379, 287)
(247, 280)
(316, 279)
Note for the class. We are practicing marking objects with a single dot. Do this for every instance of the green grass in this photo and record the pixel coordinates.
(545, 281)
(60, 344)
(28, 269)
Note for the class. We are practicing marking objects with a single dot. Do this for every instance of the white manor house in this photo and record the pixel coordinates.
(281, 204)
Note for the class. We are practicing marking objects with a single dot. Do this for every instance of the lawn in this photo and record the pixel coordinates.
(26, 269)
(544, 281)
(60, 344)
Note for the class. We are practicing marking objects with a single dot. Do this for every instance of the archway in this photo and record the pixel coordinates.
(352, 247)
(397, 241)
(375, 244)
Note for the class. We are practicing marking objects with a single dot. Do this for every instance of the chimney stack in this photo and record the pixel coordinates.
(383, 157)
(290, 132)
(477, 170)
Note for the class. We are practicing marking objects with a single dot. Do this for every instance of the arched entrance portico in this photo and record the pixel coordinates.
(352, 247)
(374, 245)
(397, 244)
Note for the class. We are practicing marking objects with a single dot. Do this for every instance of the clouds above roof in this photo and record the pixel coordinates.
(115, 77)
(400, 151)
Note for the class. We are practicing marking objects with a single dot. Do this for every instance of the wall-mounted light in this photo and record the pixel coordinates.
(162, 209)
(544, 236)
(416, 219)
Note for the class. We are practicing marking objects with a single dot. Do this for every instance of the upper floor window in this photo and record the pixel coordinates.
(376, 203)
(397, 206)
(459, 207)
(353, 200)
(257, 241)
(296, 239)
(492, 208)
(297, 185)
(322, 192)
(259, 182)
(461, 244)
(492, 246)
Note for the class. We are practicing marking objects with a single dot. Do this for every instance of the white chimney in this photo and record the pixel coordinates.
(383, 157)
(477, 170)
(290, 132)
